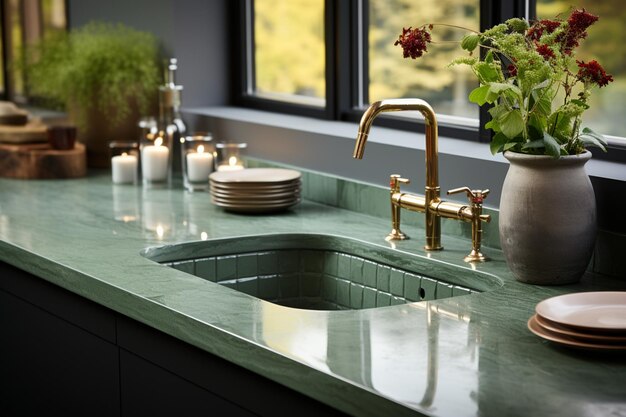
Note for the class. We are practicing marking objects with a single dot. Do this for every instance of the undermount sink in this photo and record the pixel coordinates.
(321, 272)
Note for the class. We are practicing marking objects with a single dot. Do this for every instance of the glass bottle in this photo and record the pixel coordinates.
(170, 121)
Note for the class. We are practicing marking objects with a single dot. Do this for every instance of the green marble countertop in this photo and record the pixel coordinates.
(86, 236)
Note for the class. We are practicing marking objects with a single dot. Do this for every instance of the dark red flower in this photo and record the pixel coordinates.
(538, 28)
(592, 72)
(413, 42)
(550, 25)
(512, 69)
(578, 22)
(545, 51)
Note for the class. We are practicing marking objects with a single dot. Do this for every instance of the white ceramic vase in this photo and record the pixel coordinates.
(547, 218)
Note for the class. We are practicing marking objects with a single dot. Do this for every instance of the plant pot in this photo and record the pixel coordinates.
(547, 218)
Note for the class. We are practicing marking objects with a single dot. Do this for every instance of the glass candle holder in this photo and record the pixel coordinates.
(197, 161)
(124, 162)
(156, 159)
(229, 156)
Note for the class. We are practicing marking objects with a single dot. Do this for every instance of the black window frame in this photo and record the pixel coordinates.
(244, 80)
(347, 72)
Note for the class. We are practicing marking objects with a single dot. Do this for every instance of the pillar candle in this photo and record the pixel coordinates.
(154, 162)
(199, 165)
(124, 169)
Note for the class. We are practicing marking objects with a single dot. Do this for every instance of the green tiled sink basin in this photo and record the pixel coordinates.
(321, 272)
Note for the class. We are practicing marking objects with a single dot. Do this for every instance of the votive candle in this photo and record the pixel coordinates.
(154, 161)
(234, 164)
(199, 165)
(124, 169)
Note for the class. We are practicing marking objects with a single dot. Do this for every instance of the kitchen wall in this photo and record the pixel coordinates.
(197, 33)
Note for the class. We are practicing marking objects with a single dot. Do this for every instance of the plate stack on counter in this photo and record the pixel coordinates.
(255, 190)
(586, 320)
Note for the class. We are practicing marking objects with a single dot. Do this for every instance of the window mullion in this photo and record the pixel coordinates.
(250, 70)
(332, 41)
(241, 32)
(349, 71)
(360, 23)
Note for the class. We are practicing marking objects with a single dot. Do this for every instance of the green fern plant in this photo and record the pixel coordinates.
(100, 64)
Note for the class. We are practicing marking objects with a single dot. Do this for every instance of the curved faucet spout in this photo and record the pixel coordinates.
(433, 227)
(404, 104)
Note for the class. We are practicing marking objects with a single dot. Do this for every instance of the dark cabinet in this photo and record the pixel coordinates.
(149, 390)
(51, 367)
(61, 354)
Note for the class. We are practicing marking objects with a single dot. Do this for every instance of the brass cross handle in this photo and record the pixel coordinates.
(476, 199)
(394, 187)
(394, 182)
(474, 196)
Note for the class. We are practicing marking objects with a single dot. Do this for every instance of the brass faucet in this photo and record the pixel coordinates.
(431, 203)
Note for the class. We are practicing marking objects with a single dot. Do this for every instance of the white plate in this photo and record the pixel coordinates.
(544, 333)
(253, 203)
(587, 310)
(267, 176)
(245, 187)
(567, 331)
(255, 196)
(268, 208)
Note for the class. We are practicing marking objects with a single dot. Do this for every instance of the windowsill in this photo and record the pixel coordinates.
(347, 130)
(326, 146)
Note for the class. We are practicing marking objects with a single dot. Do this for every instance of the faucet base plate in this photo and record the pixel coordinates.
(475, 256)
(396, 235)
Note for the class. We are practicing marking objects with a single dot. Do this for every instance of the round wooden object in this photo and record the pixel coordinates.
(39, 161)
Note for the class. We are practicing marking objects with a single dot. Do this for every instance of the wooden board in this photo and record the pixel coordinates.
(34, 131)
(39, 161)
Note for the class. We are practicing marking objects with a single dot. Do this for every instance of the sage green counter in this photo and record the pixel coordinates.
(87, 236)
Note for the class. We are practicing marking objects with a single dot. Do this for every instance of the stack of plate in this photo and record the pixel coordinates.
(591, 320)
(255, 190)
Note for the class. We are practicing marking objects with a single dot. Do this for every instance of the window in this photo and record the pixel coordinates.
(289, 59)
(292, 63)
(390, 75)
(331, 58)
(285, 62)
(25, 22)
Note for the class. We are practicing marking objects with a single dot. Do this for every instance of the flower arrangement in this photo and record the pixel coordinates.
(529, 73)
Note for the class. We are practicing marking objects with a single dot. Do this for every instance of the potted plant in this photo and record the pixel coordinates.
(105, 75)
(538, 92)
